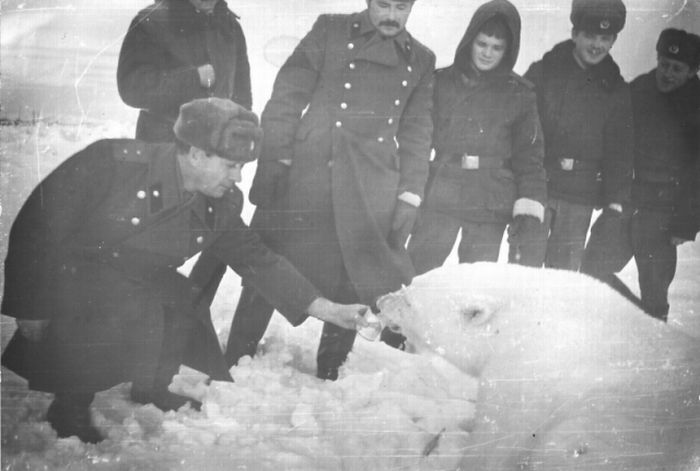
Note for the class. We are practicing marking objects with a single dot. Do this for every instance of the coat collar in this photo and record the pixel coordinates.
(376, 48)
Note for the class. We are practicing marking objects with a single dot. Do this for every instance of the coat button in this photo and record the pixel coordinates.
(380, 139)
(200, 239)
(156, 193)
(138, 152)
(210, 209)
(404, 83)
(351, 65)
(397, 102)
(390, 120)
(351, 46)
(135, 221)
(115, 254)
(347, 85)
(409, 68)
(141, 194)
(338, 124)
(125, 151)
(344, 106)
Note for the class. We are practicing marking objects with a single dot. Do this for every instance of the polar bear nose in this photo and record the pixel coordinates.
(476, 314)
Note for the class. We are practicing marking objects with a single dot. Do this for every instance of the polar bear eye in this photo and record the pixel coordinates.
(475, 315)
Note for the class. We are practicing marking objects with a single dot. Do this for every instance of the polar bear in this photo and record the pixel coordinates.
(571, 375)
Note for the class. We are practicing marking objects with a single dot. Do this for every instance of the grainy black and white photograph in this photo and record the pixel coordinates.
(350, 235)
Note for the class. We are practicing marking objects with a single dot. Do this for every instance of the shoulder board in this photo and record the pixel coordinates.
(130, 150)
(518, 79)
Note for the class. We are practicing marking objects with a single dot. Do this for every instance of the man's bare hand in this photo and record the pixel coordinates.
(32, 329)
(207, 77)
(347, 316)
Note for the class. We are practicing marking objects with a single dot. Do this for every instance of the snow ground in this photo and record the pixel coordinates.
(388, 408)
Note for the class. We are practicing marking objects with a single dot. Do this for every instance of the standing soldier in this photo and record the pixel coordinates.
(343, 166)
(666, 107)
(91, 276)
(488, 150)
(180, 50)
(584, 105)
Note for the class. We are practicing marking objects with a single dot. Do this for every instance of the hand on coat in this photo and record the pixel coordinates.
(207, 77)
(524, 235)
(402, 224)
(33, 330)
(270, 183)
(347, 316)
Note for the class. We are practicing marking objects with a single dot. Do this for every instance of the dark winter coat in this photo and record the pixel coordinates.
(94, 250)
(490, 116)
(587, 120)
(162, 50)
(667, 151)
(364, 139)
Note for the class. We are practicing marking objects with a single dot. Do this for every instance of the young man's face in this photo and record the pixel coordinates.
(591, 48)
(205, 6)
(487, 52)
(389, 17)
(214, 175)
(672, 74)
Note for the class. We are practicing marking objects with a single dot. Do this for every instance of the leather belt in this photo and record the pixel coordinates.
(569, 164)
(477, 162)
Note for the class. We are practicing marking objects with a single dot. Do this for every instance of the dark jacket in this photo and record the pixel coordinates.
(158, 62)
(364, 139)
(667, 151)
(490, 116)
(587, 120)
(95, 248)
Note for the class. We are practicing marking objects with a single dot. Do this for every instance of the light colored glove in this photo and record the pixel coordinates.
(615, 207)
(347, 316)
(33, 330)
(207, 77)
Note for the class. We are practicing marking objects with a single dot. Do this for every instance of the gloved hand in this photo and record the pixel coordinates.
(526, 239)
(33, 330)
(402, 222)
(270, 183)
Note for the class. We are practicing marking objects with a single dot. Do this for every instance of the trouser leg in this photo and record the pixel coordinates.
(250, 321)
(69, 415)
(656, 259)
(432, 240)
(481, 242)
(568, 225)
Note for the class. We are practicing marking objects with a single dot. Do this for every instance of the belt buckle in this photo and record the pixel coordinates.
(470, 162)
(566, 164)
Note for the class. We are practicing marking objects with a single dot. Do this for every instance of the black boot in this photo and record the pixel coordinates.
(69, 415)
(163, 399)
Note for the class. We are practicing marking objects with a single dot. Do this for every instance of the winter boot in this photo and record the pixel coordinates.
(69, 415)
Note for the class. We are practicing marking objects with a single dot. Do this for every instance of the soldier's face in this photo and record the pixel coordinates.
(389, 16)
(591, 48)
(215, 175)
(672, 74)
(487, 52)
(205, 6)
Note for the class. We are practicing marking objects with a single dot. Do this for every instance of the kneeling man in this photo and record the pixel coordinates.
(91, 275)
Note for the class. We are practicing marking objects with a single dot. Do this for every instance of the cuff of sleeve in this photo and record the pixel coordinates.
(528, 207)
(410, 198)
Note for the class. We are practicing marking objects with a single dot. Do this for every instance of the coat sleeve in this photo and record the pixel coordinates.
(415, 133)
(528, 151)
(292, 93)
(271, 274)
(42, 230)
(141, 82)
(241, 86)
(618, 150)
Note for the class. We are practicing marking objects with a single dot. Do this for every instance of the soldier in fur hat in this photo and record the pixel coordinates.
(90, 274)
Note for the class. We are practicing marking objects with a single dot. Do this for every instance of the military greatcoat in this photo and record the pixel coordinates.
(94, 250)
(363, 140)
(165, 44)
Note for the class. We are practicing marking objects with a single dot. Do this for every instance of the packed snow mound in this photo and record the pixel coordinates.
(571, 375)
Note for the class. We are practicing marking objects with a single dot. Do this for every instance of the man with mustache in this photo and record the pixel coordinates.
(90, 273)
(584, 106)
(343, 166)
(665, 192)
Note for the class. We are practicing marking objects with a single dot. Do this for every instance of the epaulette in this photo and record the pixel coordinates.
(129, 150)
(519, 79)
